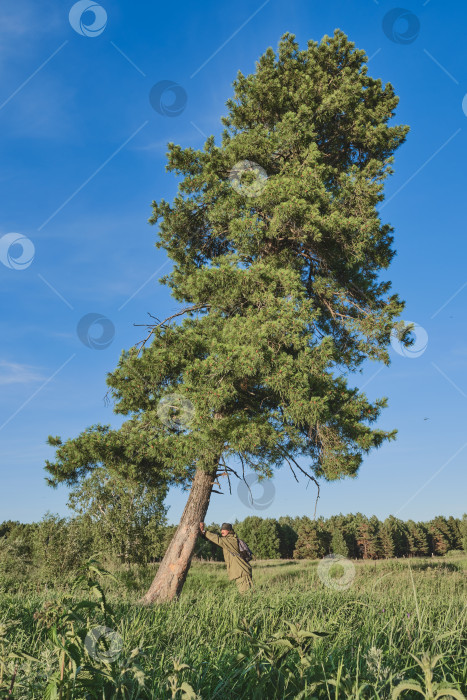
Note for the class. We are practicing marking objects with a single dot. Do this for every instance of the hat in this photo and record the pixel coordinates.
(226, 526)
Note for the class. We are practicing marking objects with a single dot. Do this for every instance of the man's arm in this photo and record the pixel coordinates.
(210, 535)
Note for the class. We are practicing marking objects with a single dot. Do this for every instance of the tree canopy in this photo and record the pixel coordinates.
(277, 247)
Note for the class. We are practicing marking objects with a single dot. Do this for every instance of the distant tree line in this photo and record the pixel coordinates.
(137, 533)
(355, 536)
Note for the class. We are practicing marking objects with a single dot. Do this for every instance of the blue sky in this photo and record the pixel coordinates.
(82, 155)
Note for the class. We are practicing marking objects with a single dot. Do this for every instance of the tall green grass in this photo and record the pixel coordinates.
(214, 643)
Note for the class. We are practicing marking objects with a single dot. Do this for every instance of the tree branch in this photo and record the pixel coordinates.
(153, 327)
(287, 457)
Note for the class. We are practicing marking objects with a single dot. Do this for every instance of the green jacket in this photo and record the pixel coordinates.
(236, 566)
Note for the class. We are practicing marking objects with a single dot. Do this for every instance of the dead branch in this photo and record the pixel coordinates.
(226, 471)
(312, 478)
(153, 327)
(291, 469)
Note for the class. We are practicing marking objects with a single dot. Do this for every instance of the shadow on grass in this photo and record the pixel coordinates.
(268, 563)
(430, 565)
(286, 577)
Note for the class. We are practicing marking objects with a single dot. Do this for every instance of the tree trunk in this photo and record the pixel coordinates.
(174, 567)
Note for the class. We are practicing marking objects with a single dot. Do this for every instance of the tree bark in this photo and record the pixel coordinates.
(174, 567)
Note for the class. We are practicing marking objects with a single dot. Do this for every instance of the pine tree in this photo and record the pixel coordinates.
(352, 523)
(336, 527)
(338, 544)
(387, 544)
(310, 542)
(440, 535)
(422, 540)
(368, 540)
(280, 282)
(455, 533)
(262, 535)
(417, 541)
(398, 535)
(288, 537)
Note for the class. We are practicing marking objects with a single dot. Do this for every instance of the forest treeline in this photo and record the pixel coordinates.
(53, 548)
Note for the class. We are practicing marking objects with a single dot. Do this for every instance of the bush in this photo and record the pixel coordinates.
(455, 552)
(61, 546)
(261, 535)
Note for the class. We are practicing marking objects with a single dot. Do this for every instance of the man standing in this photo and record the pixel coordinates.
(238, 569)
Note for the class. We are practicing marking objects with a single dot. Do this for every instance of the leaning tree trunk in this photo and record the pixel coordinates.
(173, 569)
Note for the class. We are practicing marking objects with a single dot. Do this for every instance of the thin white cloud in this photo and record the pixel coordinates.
(33, 106)
(14, 373)
(21, 18)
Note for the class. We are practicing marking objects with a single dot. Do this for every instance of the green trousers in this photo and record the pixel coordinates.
(244, 583)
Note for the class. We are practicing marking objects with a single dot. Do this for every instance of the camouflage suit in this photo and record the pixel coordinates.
(237, 568)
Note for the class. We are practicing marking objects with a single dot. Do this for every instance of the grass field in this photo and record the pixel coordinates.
(259, 645)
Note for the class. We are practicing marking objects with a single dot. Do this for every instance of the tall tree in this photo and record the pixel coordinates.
(417, 539)
(280, 278)
(311, 542)
(336, 526)
(368, 539)
(387, 546)
(422, 539)
(288, 536)
(130, 516)
(441, 537)
(454, 530)
(262, 536)
(353, 522)
(395, 531)
(338, 543)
